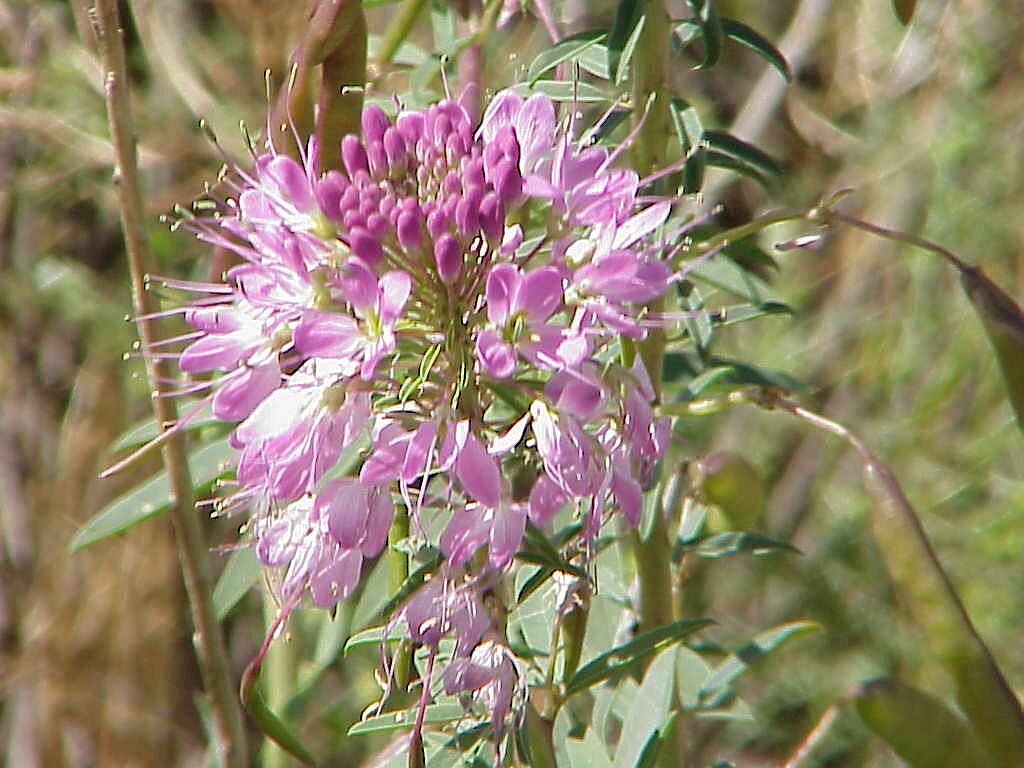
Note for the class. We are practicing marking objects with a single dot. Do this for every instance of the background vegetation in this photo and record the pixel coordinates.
(924, 121)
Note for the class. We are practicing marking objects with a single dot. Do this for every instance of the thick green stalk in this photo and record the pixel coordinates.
(650, 98)
(192, 547)
(398, 572)
(278, 680)
(651, 113)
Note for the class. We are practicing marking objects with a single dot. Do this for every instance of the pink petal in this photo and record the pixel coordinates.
(327, 334)
(539, 295)
(395, 287)
(497, 356)
(507, 530)
(478, 472)
(343, 502)
(337, 580)
(502, 286)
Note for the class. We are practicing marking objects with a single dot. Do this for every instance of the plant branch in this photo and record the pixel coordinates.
(192, 547)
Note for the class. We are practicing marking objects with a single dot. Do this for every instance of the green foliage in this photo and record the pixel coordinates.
(919, 727)
(153, 497)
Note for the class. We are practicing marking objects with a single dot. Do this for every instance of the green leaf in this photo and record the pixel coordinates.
(144, 431)
(687, 123)
(691, 671)
(375, 636)
(563, 90)
(595, 61)
(711, 31)
(743, 151)
(734, 543)
(589, 752)
(416, 580)
(625, 656)
(240, 572)
(727, 275)
(565, 50)
(742, 313)
(920, 728)
(272, 726)
(393, 721)
(741, 33)
(736, 663)
(1003, 321)
(622, 72)
(152, 497)
(628, 15)
(730, 163)
(698, 327)
(645, 723)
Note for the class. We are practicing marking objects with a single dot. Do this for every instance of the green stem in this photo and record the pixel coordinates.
(278, 678)
(398, 572)
(829, 215)
(539, 737)
(395, 35)
(746, 230)
(191, 543)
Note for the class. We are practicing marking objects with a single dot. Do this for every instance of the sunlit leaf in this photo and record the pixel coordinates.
(392, 721)
(146, 430)
(565, 50)
(648, 718)
(625, 656)
(564, 90)
(735, 543)
(153, 497)
(736, 663)
(622, 72)
(376, 636)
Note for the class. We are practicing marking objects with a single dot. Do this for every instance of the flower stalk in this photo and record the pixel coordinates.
(192, 546)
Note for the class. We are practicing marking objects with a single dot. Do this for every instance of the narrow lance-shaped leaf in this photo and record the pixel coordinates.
(736, 663)
(711, 27)
(1003, 320)
(565, 50)
(981, 690)
(628, 14)
(919, 727)
(741, 33)
(743, 151)
(623, 657)
(240, 573)
(151, 498)
(272, 726)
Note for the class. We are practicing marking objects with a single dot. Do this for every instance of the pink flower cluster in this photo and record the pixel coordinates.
(453, 301)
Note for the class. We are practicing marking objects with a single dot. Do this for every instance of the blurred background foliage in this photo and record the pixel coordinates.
(924, 121)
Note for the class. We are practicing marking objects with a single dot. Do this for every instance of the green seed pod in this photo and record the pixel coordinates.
(919, 727)
(731, 483)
